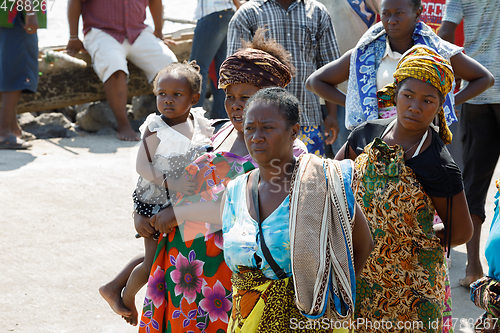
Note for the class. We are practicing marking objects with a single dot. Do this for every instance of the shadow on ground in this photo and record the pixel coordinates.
(14, 159)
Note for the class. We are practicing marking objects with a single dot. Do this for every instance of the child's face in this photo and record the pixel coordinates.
(174, 97)
(417, 103)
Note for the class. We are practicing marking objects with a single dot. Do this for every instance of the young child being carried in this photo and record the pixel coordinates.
(170, 142)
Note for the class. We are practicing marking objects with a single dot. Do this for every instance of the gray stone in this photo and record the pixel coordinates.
(54, 118)
(69, 112)
(142, 106)
(106, 131)
(96, 116)
(80, 107)
(26, 119)
(48, 125)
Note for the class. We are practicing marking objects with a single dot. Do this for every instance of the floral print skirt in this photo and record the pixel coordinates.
(189, 287)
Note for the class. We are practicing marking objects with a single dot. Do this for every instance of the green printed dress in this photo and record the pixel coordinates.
(403, 281)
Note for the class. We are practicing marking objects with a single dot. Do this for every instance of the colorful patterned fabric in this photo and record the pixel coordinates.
(262, 305)
(487, 323)
(422, 63)
(492, 246)
(255, 67)
(321, 246)
(361, 98)
(261, 301)
(403, 280)
(485, 293)
(447, 313)
(312, 137)
(364, 12)
(189, 287)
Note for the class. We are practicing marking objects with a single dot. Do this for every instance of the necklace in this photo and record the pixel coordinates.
(416, 143)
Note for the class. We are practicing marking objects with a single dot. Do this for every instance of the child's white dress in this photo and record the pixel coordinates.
(174, 152)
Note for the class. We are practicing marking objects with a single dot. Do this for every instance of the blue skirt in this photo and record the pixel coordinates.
(18, 58)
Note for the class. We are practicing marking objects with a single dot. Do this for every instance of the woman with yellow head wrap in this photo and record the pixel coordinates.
(406, 174)
(424, 64)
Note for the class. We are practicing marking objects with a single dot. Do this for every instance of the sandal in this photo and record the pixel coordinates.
(13, 142)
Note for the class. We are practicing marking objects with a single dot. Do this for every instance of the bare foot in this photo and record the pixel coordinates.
(130, 304)
(126, 133)
(114, 298)
(473, 272)
(469, 279)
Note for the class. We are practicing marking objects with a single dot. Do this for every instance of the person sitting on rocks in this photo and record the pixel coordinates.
(114, 32)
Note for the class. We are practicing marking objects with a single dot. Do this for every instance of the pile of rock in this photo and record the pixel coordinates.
(95, 117)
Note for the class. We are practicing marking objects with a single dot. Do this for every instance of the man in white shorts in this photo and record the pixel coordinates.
(114, 32)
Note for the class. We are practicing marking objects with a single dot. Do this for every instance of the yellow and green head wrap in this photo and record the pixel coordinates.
(424, 64)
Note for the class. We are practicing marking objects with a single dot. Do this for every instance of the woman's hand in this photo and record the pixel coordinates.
(439, 230)
(142, 226)
(182, 185)
(164, 221)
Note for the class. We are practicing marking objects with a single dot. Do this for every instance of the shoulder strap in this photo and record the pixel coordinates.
(265, 250)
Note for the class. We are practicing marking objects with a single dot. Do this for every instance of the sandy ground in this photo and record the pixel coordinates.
(65, 216)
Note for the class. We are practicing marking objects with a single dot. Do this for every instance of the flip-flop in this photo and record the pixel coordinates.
(13, 142)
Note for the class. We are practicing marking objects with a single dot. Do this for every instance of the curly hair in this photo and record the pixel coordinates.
(271, 46)
(190, 70)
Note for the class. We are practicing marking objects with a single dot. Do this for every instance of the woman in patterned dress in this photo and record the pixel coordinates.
(294, 236)
(406, 174)
(189, 288)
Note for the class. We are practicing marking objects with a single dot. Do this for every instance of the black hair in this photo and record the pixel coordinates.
(400, 84)
(416, 4)
(287, 103)
(191, 71)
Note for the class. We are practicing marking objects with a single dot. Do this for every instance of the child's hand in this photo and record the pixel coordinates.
(182, 185)
(142, 226)
(164, 221)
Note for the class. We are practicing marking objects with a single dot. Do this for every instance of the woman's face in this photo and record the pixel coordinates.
(417, 103)
(267, 135)
(398, 18)
(237, 96)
